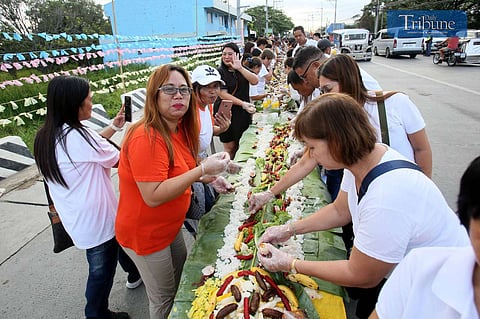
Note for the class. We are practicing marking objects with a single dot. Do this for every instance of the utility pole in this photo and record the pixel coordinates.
(335, 14)
(239, 22)
(266, 18)
(377, 11)
(321, 20)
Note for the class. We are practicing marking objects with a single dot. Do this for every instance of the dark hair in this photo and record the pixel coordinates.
(254, 62)
(339, 120)
(65, 96)
(256, 52)
(248, 47)
(234, 47)
(317, 34)
(267, 54)
(306, 54)
(288, 62)
(299, 28)
(289, 53)
(293, 78)
(262, 41)
(152, 120)
(246, 58)
(468, 200)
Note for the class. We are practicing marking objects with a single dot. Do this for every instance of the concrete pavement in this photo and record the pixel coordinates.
(34, 281)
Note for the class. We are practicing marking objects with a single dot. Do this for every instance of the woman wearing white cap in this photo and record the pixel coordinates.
(206, 86)
(206, 83)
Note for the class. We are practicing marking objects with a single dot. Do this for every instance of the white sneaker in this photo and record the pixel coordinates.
(135, 284)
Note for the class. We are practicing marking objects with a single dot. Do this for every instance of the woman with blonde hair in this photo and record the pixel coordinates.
(158, 165)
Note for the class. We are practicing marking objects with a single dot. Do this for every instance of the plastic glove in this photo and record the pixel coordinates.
(221, 185)
(276, 234)
(295, 157)
(249, 107)
(273, 259)
(215, 164)
(233, 168)
(256, 201)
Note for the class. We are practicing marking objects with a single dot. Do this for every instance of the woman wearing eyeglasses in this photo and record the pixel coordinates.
(393, 212)
(158, 164)
(237, 80)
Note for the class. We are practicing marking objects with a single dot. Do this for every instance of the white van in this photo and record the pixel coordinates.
(354, 42)
(396, 41)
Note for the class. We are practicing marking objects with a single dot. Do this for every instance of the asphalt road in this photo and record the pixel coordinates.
(35, 283)
(448, 99)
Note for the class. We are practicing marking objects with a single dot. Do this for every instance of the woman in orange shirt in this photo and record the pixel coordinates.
(158, 164)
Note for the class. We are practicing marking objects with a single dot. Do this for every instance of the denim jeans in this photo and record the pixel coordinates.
(128, 265)
(102, 263)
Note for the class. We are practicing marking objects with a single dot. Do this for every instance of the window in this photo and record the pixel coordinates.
(209, 18)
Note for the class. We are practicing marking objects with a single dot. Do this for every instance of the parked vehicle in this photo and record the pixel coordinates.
(354, 42)
(397, 41)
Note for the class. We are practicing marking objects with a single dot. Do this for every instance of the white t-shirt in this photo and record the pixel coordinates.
(433, 282)
(310, 42)
(403, 118)
(305, 101)
(402, 210)
(89, 206)
(206, 131)
(261, 80)
(369, 81)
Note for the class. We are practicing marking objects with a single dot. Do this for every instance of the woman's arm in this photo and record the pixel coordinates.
(422, 151)
(158, 193)
(333, 215)
(251, 77)
(224, 95)
(296, 173)
(359, 271)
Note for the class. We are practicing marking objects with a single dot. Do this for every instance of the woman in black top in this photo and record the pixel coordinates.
(237, 80)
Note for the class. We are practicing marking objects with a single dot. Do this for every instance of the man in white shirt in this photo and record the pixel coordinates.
(301, 39)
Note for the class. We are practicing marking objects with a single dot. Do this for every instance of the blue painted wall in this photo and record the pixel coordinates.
(166, 24)
(174, 18)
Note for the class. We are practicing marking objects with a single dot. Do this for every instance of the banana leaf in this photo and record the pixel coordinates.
(324, 245)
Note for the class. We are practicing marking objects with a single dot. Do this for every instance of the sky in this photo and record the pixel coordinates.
(311, 14)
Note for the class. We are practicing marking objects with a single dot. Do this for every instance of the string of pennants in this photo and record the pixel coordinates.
(190, 56)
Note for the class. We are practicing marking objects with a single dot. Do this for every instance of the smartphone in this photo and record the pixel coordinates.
(128, 108)
(225, 108)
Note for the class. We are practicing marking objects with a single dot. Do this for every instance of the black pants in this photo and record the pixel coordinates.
(366, 299)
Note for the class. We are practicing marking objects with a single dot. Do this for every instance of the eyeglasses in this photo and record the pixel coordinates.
(304, 75)
(171, 90)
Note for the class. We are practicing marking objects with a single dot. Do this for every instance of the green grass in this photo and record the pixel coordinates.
(110, 101)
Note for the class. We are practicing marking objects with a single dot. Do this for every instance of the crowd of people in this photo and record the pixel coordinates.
(402, 239)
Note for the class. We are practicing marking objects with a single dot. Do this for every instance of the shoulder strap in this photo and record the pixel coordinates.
(381, 169)
(382, 115)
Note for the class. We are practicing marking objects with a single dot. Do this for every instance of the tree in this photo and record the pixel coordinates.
(471, 7)
(277, 20)
(69, 16)
(13, 16)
